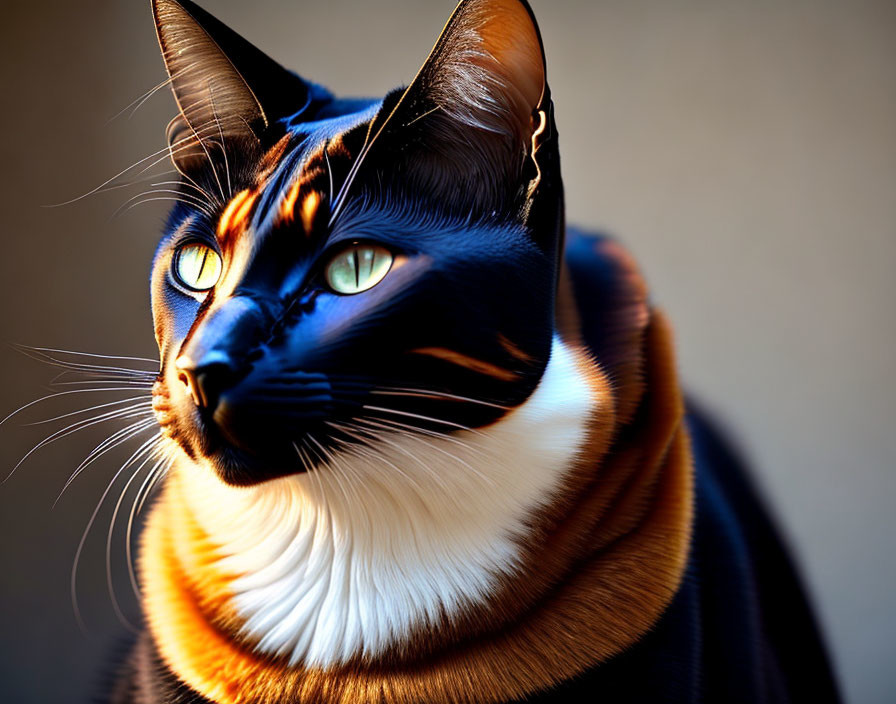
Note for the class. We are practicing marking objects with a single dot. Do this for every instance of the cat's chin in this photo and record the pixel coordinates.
(237, 467)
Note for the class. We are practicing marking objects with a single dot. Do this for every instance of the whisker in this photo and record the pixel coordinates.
(88, 410)
(148, 200)
(57, 394)
(407, 414)
(371, 452)
(67, 376)
(144, 487)
(185, 198)
(412, 456)
(427, 393)
(74, 428)
(394, 425)
(107, 445)
(334, 472)
(101, 384)
(74, 572)
(141, 99)
(149, 448)
(209, 199)
(223, 144)
(166, 152)
(153, 484)
(46, 355)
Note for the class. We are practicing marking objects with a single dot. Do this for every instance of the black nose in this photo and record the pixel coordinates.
(206, 378)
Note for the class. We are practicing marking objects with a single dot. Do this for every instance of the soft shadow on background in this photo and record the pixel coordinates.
(746, 153)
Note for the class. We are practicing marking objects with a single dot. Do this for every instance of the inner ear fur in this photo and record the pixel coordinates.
(226, 89)
(487, 69)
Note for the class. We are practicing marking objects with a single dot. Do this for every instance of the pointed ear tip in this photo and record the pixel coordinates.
(516, 24)
(513, 35)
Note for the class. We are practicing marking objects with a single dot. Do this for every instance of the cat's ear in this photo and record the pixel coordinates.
(224, 86)
(469, 116)
(487, 69)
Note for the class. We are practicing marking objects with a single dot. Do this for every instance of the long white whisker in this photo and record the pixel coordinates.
(426, 393)
(119, 380)
(151, 447)
(144, 487)
(185, 198)
(223, 144)
(46, 356)
(141, 99)
(149, 200)
(148, 360)
(389, 423)
(75, 427)
(407, 414)
(89, 410)
(371, 452)
(74, 573)
(57, 394)
(167, 151)
(107, 445)
(152, 485)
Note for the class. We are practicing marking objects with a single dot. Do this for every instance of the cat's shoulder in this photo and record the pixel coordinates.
(603, 299)
(605, 280)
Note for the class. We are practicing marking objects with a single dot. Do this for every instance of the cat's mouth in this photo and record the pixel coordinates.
(250, 439)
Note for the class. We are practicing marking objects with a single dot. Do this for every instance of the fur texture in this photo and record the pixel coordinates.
(351, 560)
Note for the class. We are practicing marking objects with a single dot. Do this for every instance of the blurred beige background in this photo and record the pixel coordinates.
(746, 152)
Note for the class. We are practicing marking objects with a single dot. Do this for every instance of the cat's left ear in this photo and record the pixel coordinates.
(225, 88)
(473, 114)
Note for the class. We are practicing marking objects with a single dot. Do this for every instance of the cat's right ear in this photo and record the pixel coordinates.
(226, 89)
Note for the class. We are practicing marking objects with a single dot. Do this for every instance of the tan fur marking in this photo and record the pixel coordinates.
(477, 365)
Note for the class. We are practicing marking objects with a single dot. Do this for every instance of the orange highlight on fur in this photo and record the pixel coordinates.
(289, 203)
(463, 360)
(514, 350)
(236, 211)
(309, 210)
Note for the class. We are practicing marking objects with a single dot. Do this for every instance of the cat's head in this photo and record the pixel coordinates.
(339, 267)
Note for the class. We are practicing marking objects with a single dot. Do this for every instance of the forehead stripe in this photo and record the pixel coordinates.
(289, 203)
(230, 214)
(243, 212)
(309, 210)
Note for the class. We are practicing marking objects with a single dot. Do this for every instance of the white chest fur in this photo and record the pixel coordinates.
(350, 559)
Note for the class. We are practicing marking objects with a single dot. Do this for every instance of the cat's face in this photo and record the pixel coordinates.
(339, 268)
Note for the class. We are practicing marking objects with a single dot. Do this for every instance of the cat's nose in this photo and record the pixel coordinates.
(207, 377)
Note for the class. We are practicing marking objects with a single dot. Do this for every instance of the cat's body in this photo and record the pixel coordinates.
(426, 444)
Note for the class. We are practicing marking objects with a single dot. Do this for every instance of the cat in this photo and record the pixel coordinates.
(427, 443)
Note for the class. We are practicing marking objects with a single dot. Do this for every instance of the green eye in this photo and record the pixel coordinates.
(197, 266)
(358, 268)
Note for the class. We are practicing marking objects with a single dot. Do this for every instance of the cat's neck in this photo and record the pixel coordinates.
(430, 540)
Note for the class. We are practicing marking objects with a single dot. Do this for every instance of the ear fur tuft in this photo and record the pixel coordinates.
(487, 70)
